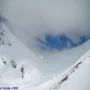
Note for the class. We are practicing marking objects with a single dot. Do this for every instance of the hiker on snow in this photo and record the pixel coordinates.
(22, 71)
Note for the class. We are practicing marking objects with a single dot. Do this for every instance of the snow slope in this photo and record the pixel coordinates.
(61, 61)
(22, 56)
(76, 78)
(39, 72)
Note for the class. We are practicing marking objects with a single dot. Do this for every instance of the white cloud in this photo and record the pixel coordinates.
(31, 18)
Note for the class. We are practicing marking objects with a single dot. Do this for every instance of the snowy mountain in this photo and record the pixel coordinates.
(61, 61)
(76, 78)
(53, 72)
(13, 54)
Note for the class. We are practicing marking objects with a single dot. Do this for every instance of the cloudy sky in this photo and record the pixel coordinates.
(48, 25)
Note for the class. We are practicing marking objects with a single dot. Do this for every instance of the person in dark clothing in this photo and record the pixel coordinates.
(22, 71)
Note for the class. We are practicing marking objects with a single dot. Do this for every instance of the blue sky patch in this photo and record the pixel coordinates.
(59, 42)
